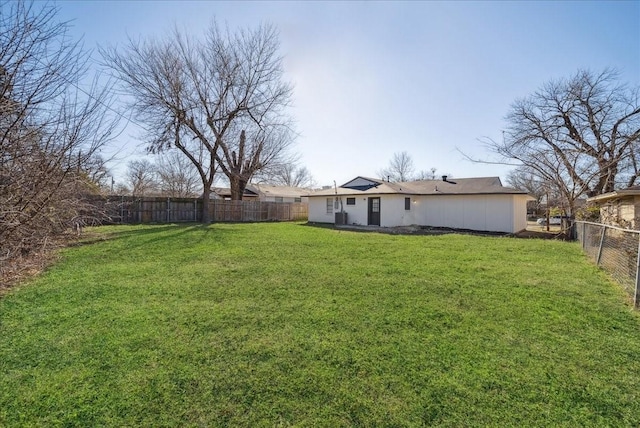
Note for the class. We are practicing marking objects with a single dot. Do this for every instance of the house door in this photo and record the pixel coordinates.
(373, 219)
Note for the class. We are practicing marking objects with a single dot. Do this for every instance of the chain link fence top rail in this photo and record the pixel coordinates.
(616, 251)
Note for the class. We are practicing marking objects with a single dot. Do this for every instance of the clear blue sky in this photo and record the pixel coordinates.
(374, 78)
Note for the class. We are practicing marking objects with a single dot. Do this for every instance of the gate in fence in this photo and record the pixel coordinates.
(616, 250)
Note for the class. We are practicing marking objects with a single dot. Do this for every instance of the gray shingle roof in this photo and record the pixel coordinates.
(283, 191)
(454, 186)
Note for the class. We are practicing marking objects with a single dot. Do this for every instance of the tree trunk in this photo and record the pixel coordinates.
(206, 218)
(237, 188)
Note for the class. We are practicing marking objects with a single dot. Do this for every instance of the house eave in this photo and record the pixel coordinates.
(618, 194)
(460, 187)
(376, 191)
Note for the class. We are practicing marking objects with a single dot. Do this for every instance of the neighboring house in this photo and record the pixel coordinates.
(264, 193)
(225, 193)
(481, 204)
(269, 193)
(620, 207)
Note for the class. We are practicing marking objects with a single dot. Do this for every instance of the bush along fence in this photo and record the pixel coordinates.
(127, 209)
(616, 250)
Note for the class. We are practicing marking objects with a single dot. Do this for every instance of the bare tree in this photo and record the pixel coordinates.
(98, 174)
(294, 176)
(50, 130)
(427, 175)
(287, 172)
(220, 100)
(176, 176)
(400, 168)
(142, 177)
(581, 134)
(527, 181)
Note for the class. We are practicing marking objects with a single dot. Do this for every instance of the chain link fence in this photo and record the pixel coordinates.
(615, 250)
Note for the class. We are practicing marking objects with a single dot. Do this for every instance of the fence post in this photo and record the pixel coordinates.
(168, 210)
(636, 295)
(584, 235)
(604, 229)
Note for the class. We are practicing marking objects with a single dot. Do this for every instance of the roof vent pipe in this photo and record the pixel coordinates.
(444, 178)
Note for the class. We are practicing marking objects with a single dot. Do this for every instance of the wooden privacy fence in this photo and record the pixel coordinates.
(127, 209)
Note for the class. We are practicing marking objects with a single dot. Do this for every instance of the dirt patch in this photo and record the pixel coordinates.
(18, 270)
(415, 230)
(542, 234)
(530, 232)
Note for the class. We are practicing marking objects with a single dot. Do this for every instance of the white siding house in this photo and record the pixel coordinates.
(481, 204)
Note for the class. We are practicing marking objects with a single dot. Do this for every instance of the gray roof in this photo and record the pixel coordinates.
(226, 192)
(256, 190)
(282, 191)
(454, 186)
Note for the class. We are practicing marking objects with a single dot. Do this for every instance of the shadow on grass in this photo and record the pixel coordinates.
(149, 234)
(139, 236)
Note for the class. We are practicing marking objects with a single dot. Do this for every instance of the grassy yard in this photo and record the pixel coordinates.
(287, 324)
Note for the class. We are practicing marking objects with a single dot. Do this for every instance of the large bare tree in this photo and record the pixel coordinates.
(142, 177)
(400, 168)
(50, 130)
(579, 135)
(292, 175)
(286, 172)
(528, 181)
(523, 179)
(177, 177)
(221, 99)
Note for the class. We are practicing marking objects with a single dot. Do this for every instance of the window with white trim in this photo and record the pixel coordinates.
(329, 205)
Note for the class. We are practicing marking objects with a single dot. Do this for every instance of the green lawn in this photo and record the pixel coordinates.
(287, 324)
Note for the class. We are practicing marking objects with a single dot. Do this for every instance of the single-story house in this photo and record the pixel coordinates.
(481, 204)
(268, 193)
(620, 207)
(225, 193)
(264, 193)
